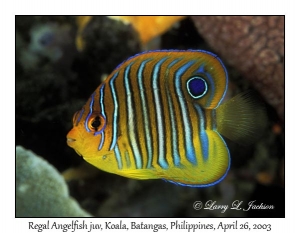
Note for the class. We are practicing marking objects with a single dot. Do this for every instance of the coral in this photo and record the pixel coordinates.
(254, 45)
(84, 171)
(149, 27)
(82, 22)
(48, 42)
(40, 189)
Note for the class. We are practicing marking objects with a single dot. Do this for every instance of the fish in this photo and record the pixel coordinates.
(162, 115)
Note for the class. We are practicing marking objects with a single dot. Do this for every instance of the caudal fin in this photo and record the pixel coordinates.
(242, 119)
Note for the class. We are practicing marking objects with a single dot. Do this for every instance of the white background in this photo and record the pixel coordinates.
(9, 9)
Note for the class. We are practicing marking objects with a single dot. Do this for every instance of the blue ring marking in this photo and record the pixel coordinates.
(188, 87)
(190, 152)
(176, 157)
(203, 134)
(130, 117)
(116, 108)
(161, 142)
(102, 129)
(90, 113)
(212, 84)
(148, 135)
(118, 157)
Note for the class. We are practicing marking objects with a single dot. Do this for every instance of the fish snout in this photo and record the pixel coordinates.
(71, 139)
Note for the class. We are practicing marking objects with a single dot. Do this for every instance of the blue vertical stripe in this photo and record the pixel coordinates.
(175, 152)
(131, 120)
(101, 102)
(148, 136)
(190, 152)
(101, 99)
(118, 157)
(115, 114)
(202, 131)
(90, 113)
(211, 84)
(159, 114)
(101, 141)
(80, 115)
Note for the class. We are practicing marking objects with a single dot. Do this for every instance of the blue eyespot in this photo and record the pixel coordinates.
(197, 87)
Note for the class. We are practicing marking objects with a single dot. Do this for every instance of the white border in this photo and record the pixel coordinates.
(111, 7)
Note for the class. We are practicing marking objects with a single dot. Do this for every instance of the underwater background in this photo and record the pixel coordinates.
(60, 60)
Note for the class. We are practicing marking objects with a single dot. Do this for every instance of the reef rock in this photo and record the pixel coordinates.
(40, 190)
(254, 45)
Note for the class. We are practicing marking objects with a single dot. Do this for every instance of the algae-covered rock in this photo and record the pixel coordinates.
(254, 45)
(40, 190)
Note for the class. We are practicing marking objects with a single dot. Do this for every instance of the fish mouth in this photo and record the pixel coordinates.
(70, 142)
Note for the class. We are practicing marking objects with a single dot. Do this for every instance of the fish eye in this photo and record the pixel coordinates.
(197, 87)
(96, 122)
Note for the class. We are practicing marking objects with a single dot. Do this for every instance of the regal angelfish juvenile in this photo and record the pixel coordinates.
(158, 116)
